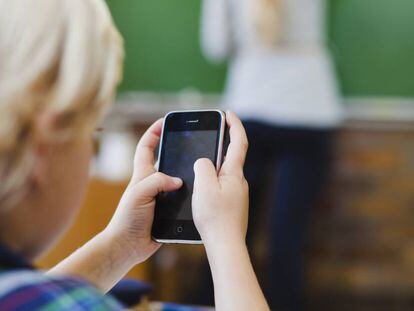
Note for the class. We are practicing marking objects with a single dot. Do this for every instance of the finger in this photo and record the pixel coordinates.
(236, 152)
(144, 154)
(205, 174)
(157, 183)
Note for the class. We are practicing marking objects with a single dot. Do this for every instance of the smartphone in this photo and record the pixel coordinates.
(186, 137)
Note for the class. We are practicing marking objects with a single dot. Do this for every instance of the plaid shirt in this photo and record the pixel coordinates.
(23, 288)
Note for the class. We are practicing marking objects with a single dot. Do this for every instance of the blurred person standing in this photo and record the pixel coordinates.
(281, 82)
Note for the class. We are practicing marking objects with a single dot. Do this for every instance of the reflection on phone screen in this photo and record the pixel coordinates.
(180, 151)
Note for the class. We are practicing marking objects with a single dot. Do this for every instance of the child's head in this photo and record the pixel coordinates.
(60, 62)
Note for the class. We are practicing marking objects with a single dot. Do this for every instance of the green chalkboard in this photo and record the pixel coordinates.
(372, 42)
(373, 45)
(162, 46)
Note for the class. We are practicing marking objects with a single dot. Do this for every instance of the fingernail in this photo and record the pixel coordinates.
(177, 181)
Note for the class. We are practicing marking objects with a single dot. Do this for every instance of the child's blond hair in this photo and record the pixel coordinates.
(57, 57)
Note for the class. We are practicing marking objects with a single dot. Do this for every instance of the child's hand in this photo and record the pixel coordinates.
(220, 203)
(132, 222)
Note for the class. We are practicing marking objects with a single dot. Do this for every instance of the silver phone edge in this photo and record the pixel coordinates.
(218, 162)
(193, 242)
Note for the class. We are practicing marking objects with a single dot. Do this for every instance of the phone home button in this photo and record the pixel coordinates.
(179, 230)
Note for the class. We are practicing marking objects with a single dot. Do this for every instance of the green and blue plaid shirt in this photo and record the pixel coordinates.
(24, 288)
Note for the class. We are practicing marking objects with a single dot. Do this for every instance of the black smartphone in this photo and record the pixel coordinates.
(186, 137)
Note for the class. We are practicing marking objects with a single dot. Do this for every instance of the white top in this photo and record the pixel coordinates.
(293, 84)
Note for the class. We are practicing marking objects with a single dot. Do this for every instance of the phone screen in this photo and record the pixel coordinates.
(181, 150)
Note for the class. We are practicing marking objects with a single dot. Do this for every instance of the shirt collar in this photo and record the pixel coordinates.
(11, 260)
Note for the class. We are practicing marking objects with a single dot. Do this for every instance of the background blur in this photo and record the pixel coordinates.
(361, 250)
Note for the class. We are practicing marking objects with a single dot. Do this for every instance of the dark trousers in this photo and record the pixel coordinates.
(287, 166)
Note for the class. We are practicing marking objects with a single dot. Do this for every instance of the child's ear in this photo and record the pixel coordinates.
(43, 128)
